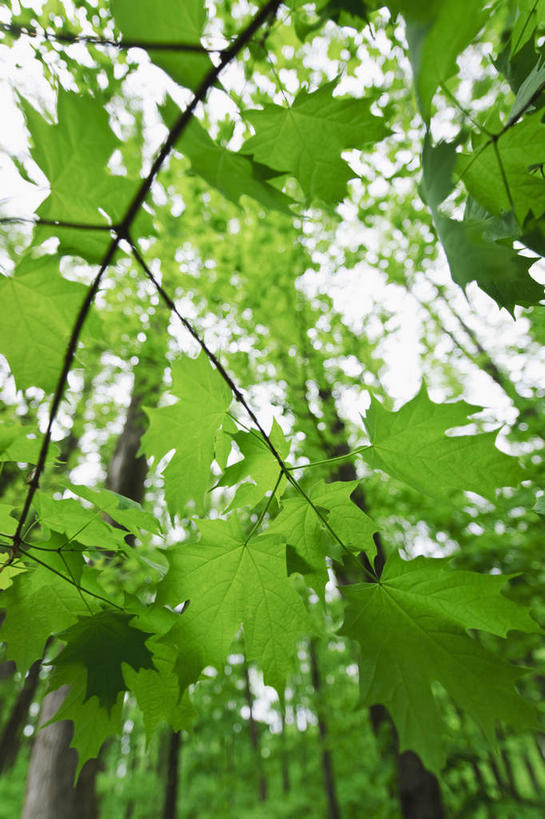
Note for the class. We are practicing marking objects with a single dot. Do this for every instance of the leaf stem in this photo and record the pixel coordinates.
(326, 461)
(259, 521)
(448, 93)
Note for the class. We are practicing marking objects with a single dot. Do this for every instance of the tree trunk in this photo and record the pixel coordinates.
(419, 792)
(531, 773)
(254, 738)
(50, 793)
(334, 811)
(286, 784)
(10, 740)
(173, 775)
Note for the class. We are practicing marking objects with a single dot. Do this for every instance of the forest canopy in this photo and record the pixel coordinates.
(271, 373)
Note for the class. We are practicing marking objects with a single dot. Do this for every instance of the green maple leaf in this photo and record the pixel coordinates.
(189, 427)
(307, 138)
(503, 174)
(47, 601)
(434, 44)
(99, 645)
(230, 583)
(353, 13)
(528, 90)
(258, 464)
(438, 166)
(158, 696)
(73, 153)
(39, 308)
(93, 722)
(411, 445)
(157, 690)
(412, 627)
(170, 22)
(301, 527)
(231, 173)
(530, 13)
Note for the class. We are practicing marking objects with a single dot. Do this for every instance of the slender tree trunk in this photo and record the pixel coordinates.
(10, 739)
(334, 811)
(531, 773)
(419, 792)
(508, 767)
(254, 737)
(502, 785)
(173, 775)
(284, 761)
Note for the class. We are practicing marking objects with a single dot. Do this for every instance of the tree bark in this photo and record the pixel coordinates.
(10, 740)
(173, 775)
(284, 761)
(419, 792)
(334, 811)
(254, 738)
(50, 793)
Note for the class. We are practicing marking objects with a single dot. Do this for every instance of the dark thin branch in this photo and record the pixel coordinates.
(57, 223)
(284, 468)
(59, 391)
(70, 38)
(122, 232)
(209, 354)
(267, 11)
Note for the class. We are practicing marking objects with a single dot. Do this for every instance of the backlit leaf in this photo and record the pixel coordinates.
(412, 627)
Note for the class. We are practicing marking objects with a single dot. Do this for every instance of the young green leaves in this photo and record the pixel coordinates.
(258, 471)
(437, 34)
(189, 427)
(98, 646)
(231, 173)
